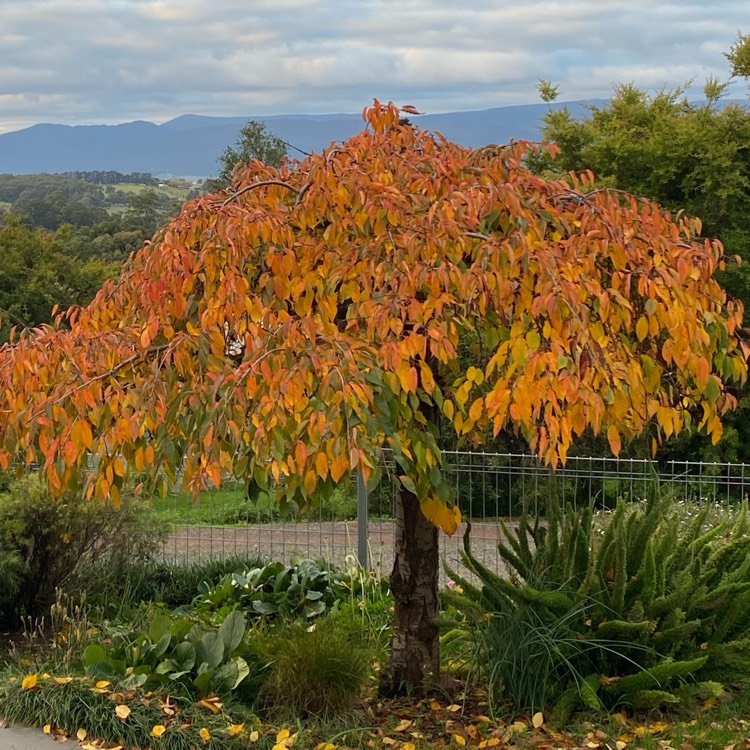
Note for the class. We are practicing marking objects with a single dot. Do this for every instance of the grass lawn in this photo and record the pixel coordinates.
(229, 506)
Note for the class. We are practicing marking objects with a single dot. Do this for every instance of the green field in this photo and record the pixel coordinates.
(229, 506)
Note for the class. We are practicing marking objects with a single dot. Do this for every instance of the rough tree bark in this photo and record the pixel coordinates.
(415, 655)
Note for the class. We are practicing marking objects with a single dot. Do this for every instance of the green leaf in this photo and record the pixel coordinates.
(232, 631)
(160, 625)
(94, 654)
(210, 650)
(408, 483)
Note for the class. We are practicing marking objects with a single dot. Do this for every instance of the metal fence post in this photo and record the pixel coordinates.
(363, 545)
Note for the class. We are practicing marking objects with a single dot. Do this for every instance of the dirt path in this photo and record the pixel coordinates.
(331, 541)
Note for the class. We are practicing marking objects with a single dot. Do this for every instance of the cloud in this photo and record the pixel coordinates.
(93, 61)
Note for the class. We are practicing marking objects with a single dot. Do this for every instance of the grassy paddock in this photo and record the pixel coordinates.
(229, 506)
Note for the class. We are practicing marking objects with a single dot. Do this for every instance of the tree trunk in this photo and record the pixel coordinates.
(415, 656)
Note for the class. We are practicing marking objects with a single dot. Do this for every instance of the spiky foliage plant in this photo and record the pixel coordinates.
(623, 608)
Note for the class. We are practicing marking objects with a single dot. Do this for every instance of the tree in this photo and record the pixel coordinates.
(39, 273)
(254, 141)
(685, 156)
(739, 56)
(288, 331)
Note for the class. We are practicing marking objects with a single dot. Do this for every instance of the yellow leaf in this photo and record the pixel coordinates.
(641, 328)
(658, 726)
(409, 746)
(47, 729)
(537, 719)
(428, 381)
(253, 736)
(211, 704)
(205, 734)
(30, 681)
(102, 684)
(123, 712)
(454, 707)
(441, 515)
(459, 740)
(158, 730)
(403, 725)
(282, 735)
(235, 729)
(81, 735)
(63, 680)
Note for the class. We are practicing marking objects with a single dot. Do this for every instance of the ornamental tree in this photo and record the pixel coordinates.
(289, 329)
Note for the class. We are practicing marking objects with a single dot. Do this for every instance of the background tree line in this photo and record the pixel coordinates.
(691, 157)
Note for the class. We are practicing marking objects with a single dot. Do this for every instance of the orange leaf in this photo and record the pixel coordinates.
(613, 436)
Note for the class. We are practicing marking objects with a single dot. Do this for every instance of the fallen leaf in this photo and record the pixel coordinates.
(81, 735)
(212, 705)
(409, 746)
(47, 728)
(537, 719)
(658, 726)
(235, 729)
(454, 707)
(158, 730)
(253, 736)
(63, 680)
(205, 734)
(403, 725)
(123, 712)
(102, 684)
(29, 682)
(388, 741)
(460, 740)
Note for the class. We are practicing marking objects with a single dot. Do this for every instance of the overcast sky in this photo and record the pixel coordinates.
(107, 61)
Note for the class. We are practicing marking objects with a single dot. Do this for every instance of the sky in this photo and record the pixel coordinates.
(110, 61)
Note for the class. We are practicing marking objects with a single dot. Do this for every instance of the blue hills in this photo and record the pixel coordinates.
(189, 145)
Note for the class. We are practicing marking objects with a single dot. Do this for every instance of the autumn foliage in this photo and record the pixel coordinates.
(289, 328)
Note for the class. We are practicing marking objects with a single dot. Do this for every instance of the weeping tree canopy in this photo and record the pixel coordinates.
(289, 328)
(286, 330)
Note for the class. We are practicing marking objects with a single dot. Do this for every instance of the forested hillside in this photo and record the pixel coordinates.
(62, 235)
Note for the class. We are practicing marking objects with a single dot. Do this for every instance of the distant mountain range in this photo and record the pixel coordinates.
(190, 145)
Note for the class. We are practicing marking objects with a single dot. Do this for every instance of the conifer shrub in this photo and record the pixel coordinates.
(626, 607)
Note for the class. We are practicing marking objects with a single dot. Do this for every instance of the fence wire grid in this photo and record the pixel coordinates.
(488, 487)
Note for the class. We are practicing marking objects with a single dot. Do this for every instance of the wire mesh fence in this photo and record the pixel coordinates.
(487, 487)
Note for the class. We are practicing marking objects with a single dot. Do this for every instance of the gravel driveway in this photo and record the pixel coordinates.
(332, 541)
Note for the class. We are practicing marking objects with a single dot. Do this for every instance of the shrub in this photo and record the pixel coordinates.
(174, 654)
(47, 544)
(303, 590)
(317, 671)
(619, 608)
(171, 583)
